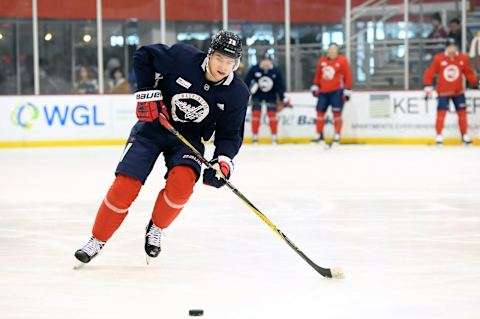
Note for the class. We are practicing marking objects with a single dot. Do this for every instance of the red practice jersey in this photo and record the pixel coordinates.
(450, 79)
(333, 75)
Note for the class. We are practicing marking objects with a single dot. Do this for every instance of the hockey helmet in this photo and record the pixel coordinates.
(226, 43)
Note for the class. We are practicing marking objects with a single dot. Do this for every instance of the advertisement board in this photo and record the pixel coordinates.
(369, 117)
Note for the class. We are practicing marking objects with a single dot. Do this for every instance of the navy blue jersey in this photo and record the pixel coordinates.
(265, 85)
(196, 106)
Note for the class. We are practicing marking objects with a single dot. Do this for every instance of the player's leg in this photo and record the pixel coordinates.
(461, 108)
(135, 165)
(256, 118)
(322, 105)
(272, 120)
(183, 171)
(442, 109)
(337, 107)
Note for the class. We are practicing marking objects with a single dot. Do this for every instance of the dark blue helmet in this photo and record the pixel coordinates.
(226, 43)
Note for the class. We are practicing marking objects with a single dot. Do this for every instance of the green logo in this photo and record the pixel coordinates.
(24, 115)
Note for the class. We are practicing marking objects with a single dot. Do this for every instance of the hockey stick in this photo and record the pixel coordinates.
(336, 273)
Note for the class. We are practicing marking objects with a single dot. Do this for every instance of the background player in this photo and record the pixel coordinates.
(332, 85)
(195, 91)
(450, 66)
(266, 84)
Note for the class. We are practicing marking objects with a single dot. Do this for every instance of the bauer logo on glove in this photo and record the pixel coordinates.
(149, 103)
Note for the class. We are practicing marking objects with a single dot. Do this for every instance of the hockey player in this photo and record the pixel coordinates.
(332, 85)
(450, 66)
(266, 84)
(199, 94)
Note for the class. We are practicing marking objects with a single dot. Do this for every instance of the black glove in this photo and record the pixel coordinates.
(222, 167)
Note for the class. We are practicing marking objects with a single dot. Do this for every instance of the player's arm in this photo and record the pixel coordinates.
(147, 61)
(228, 139)
(315, 88)
(429, 75)
(249, 79)
(280, 89)
(347, 78)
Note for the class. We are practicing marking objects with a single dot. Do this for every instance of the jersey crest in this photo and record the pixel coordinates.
(189, 107)
(451, 73)
(328, 72)
(265, 84)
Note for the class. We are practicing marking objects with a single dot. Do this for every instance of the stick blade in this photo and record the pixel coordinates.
(337, 273)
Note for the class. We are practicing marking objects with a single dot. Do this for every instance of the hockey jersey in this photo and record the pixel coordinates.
(195, 105)
(450, 79)
(265, 85)
(333, 74)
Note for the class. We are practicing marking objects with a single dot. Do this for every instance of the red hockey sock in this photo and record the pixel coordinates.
(114, 207)
(256, 115)
(440, 120)
(174, 196)
(320, 122)
(462, 121)
(337, 122)
(272, 120)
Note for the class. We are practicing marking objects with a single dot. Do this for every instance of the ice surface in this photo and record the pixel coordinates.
(403, 223)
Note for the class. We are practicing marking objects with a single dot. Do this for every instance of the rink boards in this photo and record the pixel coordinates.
(390, 117)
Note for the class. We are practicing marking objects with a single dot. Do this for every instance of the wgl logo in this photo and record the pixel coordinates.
(24, 115)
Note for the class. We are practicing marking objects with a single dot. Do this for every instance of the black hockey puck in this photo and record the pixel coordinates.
(195, 312)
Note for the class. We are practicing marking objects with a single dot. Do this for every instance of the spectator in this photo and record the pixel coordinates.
(438, 33)
(117, 84)
(456, 33)
(85, 84)
(475, 51)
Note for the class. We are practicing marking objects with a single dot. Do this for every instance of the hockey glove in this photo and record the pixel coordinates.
(222, 168)
(149, 103)
(315, 90)
(286, 102)
(428, 92)
(347, 94)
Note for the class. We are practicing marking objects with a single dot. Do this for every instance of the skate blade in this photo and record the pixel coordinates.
(148, 259)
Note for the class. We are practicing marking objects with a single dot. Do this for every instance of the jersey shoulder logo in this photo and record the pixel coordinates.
(258, 74)
(221, 106)
(183, 82)
(189, 107)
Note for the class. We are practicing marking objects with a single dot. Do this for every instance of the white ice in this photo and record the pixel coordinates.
(403, 222)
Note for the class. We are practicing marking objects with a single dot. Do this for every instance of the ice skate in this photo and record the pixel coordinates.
(91, 249)
(255, 139)
(274, 140)
(152, 241)
(318, 139)
(466, 140)
(439, 139)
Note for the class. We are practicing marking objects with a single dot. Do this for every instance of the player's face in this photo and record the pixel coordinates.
(452, 50)
(219, 66)
(266, 64)
(332, 51)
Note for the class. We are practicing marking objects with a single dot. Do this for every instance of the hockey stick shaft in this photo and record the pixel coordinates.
(326, 272)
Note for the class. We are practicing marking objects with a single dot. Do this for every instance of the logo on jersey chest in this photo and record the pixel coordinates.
(183, 83)
(189, 107)
(265, 84)
(328, 72)
(451, 73)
